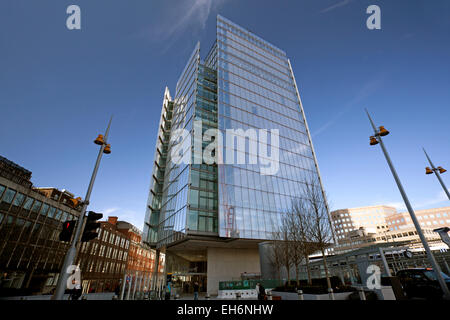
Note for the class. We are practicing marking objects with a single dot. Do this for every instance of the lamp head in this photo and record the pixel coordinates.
(99, 140)
(107, 149)
(373, 141)
(383, 132)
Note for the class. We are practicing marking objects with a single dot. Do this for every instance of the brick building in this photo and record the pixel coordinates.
(141, 259)
(103, 260)
(118, 251)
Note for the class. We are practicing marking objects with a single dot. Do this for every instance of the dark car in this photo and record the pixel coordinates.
(422, 283)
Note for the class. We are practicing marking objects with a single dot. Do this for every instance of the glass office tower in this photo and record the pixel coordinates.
(198, 210)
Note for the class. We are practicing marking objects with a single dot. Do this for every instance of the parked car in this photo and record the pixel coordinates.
(422, 283)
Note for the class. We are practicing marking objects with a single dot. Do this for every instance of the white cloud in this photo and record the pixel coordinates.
(133, 217)
(400, 206)
(337, 5)
(440, 197)
(424, 204)
(109, 211)
(182, 16)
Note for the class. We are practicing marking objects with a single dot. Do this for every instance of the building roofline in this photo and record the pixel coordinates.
(366, 207)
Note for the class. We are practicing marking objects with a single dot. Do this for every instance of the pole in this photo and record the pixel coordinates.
(436, 268)
(71, 253)
(124, 282)
(129, 286)
(140, 286)
(438, 175)
(135, 285)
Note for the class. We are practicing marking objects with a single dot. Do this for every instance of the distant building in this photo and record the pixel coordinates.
(116, 253)
(31, 254)
(141, 261)
(364, 226)
(428, 218)
(371, 219)
(103, 260)
(63, 196)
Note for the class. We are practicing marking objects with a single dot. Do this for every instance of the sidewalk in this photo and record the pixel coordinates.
(90, 296)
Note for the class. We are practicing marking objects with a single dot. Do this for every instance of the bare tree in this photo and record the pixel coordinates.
(291, 231)
(320, 232)
(301, 229)
(284, 245)
(275, 256)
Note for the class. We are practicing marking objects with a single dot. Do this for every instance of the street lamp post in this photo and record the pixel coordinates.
(437, 270)
(71, 253)
(437, 171)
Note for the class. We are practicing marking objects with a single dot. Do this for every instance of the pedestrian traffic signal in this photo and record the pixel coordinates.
(90, 226)
(67, 230)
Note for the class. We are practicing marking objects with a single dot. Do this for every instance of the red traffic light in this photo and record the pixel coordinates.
(67, 230)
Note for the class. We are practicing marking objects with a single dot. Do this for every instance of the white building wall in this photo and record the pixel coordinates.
(228, 264)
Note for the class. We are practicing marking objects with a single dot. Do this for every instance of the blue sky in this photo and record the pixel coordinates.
(58, 89)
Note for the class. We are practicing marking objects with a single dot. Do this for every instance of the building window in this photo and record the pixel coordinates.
(44, 209)
(58, 215)
(36, 206)
(9, 195)
(51, 212)
(2, 189)
(18, 201)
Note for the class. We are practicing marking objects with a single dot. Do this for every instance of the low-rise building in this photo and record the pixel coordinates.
(429, 218)
(103, 260)
(31, 254)
(118, 252)
(141, 258)
(364, 226)
(371, 219)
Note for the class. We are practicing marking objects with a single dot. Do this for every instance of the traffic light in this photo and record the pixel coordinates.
(90, 226)
(67, 230)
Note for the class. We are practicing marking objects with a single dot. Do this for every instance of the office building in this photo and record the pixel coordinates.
(209, 216)
(371, 219)
(428, 218)
(31, 254)
(364, 226)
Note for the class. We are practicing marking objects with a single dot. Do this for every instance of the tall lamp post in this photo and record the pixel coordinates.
(437, 171)
(376, 139)
(71, 253)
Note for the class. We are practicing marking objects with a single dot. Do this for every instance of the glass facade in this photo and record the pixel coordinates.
(244, 84)
(29, 235)
(257, 91)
